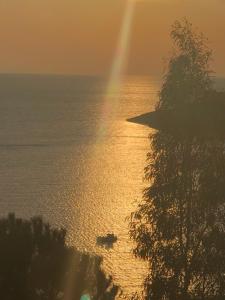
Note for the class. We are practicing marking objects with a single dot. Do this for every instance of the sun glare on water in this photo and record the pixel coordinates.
(110, 103)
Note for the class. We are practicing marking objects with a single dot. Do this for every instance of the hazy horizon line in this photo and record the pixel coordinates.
(58, 74)
(102, 76)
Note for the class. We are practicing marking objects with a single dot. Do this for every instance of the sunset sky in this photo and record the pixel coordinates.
(80, 36)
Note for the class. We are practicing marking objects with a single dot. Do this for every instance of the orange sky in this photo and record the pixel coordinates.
(79, 36)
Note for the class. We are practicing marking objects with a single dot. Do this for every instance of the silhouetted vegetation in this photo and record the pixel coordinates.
(187, 91)
(207, 119)
(36, 264)
(187, 80)
(179, 227)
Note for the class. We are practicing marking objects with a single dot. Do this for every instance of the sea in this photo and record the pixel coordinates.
(68, 154)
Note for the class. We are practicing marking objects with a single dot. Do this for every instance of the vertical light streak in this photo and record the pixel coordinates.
(122, 50)
(111, 97)
(118, 67)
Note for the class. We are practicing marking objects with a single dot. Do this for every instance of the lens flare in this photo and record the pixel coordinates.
(110, 102)
(118, 67)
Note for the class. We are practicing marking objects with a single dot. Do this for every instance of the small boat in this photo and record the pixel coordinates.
(109, 239)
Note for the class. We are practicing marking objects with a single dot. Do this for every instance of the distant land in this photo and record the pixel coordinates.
(204, 118)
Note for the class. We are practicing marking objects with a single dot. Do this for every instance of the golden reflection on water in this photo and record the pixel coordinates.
(54, 165)
(112, 181)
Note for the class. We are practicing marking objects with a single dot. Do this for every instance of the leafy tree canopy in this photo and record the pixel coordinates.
(188, 77)
(36, 264)
(179, 227)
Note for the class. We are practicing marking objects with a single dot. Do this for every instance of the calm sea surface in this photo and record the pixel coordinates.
(67, 153)
(64, 155)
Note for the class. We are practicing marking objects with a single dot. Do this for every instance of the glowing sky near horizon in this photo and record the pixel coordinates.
(79, 37)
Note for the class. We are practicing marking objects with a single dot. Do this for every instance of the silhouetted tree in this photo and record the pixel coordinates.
(36, 264)
(187, 79)
(179, 228)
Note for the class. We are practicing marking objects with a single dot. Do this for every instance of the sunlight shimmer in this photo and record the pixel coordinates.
(118, 67)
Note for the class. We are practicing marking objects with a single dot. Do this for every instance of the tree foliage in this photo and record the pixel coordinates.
(179, 227)
(188, 77)
(36, 264)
